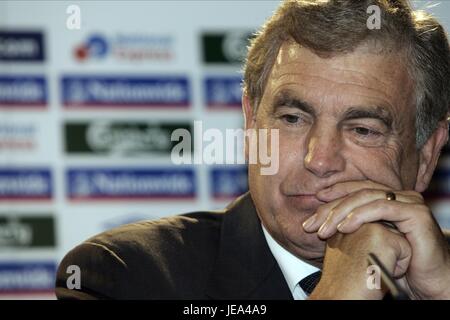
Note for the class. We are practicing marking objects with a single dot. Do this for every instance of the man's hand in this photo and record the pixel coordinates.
(352, 204)
(344, 274)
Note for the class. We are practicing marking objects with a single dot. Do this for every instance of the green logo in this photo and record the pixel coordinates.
(26, 231)
(120, 137)
(226, 47)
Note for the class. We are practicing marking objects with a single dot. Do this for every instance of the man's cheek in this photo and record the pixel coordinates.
(381, 167)
(291, 149)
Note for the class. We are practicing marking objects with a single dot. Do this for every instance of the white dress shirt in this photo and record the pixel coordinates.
(293, 268)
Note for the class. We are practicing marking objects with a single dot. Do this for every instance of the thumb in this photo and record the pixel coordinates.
(403, 255)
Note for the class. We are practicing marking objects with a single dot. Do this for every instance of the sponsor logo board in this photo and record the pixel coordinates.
(126, 47)
(223, 92)
(124, 138)
(129, 184)
(228, 182)
(21, 46)
(25, 231)
(225, 47)
(25, 184)
(27, 276)
(122, 91)
(22, 91)
(17, 136)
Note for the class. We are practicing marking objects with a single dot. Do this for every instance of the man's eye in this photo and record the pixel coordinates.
(291, 118)
(366, 131)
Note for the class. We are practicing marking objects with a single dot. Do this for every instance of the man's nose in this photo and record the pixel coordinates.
(323, 157)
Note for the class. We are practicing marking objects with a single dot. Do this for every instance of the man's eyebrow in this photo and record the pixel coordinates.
(375, 112)
(287, 99)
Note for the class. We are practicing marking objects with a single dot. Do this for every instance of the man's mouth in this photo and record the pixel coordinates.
(304, 201)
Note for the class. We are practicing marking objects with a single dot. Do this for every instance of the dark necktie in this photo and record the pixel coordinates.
(309, 283)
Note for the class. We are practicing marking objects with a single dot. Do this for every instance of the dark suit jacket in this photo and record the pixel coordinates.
(201, 255)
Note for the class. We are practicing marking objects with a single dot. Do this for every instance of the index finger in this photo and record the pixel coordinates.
(341, 189)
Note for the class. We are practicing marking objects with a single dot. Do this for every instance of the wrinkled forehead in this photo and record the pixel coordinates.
(362, 64)
(385, 74)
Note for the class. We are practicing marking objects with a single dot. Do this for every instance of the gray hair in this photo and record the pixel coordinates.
(333, 27)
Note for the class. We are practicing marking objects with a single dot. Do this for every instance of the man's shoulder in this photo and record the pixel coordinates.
(157, 258)
(161, 236)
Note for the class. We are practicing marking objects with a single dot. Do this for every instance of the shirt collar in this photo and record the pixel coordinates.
(293, 268)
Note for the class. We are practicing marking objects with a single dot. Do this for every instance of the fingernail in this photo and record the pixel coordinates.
(341, 225)
(344, 223)
(323, 229)
(309, 222)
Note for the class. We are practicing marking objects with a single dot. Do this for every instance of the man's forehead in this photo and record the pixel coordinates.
(383, 73)
(293, 57)
(291, 51)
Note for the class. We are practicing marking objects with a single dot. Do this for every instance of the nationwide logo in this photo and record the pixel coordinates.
(17, 136)
(27, 277)
(26, 91)
(225, 47)
(223, 92)
(17, 231)
(25, 184)
(121, 138)
(134, 47)
(129, 184)
(21, 46)
(120, 91)
(228, 182)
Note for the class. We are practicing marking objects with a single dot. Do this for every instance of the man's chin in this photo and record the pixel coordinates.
(298, 214)
(304, 245)
(312, 250)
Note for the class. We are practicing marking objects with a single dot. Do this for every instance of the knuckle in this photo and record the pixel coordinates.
(363, 191)
(414, 195)
(420, 197)
(322, 211)
(367, 192)
(423, 211)
(354, 216)
(332, 216)
(383, 204)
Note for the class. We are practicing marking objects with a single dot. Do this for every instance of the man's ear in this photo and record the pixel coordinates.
(429, 155)
(249, 116)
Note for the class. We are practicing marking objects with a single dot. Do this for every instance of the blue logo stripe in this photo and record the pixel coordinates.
(223, 92)
(228, 183)
(26, 277)
(84, 91)
(23, 91)
(100, 183)
(18, 184)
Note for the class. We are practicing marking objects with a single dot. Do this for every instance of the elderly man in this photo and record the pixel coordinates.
(361, 116)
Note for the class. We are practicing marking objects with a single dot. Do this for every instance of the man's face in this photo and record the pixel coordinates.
(345, 118)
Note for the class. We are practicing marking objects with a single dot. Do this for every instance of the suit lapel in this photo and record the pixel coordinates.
(245, 268)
